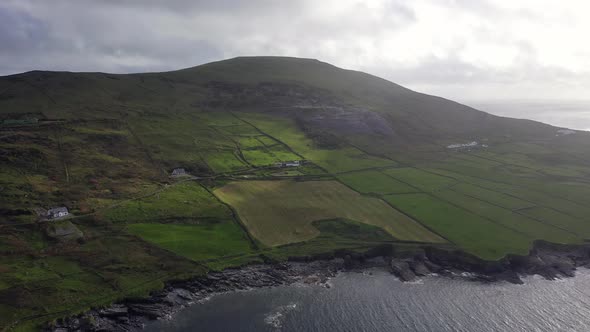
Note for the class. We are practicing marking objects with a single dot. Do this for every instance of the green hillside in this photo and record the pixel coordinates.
(394, 165)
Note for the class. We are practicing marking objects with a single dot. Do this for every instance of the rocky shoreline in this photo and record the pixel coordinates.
(548, 260)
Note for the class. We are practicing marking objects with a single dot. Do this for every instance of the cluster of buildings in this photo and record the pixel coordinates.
(466, 146)
(292, 163)
(57, 212)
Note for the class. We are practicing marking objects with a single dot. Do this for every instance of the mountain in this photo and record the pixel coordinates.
(275, 157)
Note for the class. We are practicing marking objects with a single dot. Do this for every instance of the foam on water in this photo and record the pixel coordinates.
(277, 316)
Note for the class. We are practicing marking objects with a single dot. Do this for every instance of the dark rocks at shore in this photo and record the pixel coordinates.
(548, 260)
(402, 270)
(419, 268)
(132, 314)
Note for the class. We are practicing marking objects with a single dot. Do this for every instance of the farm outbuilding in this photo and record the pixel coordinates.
(291, 163)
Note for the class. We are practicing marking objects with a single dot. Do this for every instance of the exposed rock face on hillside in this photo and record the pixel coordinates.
(267, 95)
(351, 121)
(315, 109)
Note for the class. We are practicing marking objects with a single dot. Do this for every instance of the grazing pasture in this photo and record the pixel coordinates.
(516, 221)
(420, 179)
(197, 242)
(466, 229)
(224, 161)
(559, 219)
(374, 182)
(187, 200)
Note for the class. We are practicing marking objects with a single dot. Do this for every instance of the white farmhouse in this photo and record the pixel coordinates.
(58, 212)
(179, 172)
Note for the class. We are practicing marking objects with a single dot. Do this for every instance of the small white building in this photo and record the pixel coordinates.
(58, 212)
(463, 145)
(178, 172)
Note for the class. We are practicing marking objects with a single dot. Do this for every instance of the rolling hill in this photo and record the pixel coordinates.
(399, 167)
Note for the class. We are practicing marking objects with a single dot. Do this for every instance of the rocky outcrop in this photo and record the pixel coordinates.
(402, 270)
(130, 315)
(63, 230)
(548, 260)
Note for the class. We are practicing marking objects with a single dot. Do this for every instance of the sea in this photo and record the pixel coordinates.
(572, 114)
(375, 300)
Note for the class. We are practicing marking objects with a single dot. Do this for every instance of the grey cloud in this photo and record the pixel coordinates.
(53, 38)
(184, 6)
(20, 32)
(153, 35)
(452, 71)
(92, 35)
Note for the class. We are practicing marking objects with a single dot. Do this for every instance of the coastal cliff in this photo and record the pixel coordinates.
(551, 261)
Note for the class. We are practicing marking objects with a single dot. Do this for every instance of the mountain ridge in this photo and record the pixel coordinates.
(55, 89)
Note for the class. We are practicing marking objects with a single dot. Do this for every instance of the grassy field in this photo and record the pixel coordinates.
(224, 161)
(281, 212)
(187, 201)
(559, 219)
(515, 221)
(375, 182)
(197, 242)
(468, 230)
(493, 197)
(335, 234)
(420, 179)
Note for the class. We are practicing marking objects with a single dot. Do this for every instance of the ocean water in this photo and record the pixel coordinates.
(568, 114)
(380, 302)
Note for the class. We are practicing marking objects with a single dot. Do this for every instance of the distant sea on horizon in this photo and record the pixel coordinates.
(561, 113)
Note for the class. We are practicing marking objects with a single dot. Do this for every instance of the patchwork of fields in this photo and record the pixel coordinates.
(488, 202)
(114, 177)
(485, 218)
(282, 212)
(218, 142)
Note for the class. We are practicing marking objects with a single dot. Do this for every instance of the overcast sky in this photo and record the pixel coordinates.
(460, 49)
